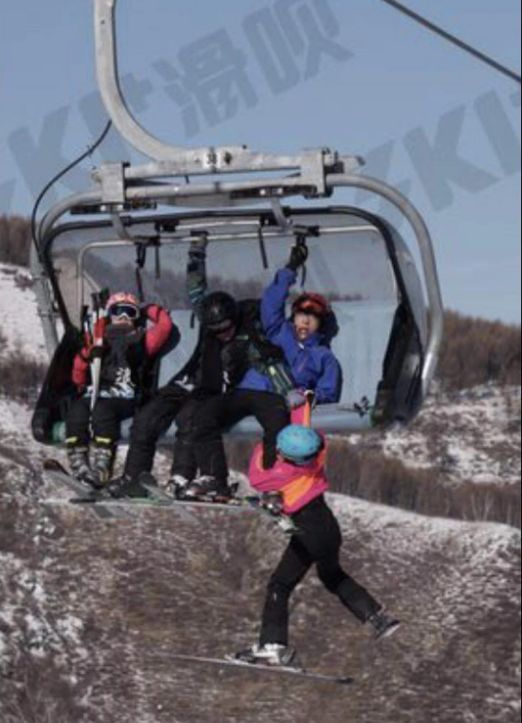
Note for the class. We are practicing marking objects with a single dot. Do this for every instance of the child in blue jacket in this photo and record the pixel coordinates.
(304, 337)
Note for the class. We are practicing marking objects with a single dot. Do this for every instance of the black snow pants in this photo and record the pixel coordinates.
(208, 419)
(107, 417)
(150, 423)
(318, 541)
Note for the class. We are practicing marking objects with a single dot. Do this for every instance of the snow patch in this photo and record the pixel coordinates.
(472, 435)
(20, 323)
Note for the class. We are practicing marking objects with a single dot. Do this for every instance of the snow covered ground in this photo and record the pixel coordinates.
(90, 611)
(19, 321)
(473, 435)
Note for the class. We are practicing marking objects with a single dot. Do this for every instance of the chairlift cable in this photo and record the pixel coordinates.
(483, 57)
(56, 178)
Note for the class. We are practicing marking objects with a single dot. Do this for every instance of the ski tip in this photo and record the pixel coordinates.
(53, 465)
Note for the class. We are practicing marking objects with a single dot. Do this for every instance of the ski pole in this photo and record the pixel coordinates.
(98, 337)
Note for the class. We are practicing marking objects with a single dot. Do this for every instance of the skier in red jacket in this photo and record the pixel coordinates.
(125, 347)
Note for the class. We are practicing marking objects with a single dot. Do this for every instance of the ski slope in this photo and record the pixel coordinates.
(19, 321)
(91, 612)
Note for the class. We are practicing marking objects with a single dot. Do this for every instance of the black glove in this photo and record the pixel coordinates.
(298, 256)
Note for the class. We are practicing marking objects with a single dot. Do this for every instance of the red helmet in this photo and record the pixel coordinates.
(310, 303)
(122, 297)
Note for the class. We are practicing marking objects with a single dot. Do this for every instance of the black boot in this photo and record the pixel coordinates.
(208, 489)
(126, 486)
(177, 486)
(385, 625)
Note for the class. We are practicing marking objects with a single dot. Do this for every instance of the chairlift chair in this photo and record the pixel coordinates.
(136, 222)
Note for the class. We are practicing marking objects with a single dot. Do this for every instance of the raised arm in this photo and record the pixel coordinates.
(197, 272)
(159, 333)
(275, 296)
(274, 300)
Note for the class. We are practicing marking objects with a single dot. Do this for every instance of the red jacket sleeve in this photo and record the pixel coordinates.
(159, 333)
(80, 374)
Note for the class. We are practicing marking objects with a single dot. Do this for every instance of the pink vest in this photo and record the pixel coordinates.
(298, 485)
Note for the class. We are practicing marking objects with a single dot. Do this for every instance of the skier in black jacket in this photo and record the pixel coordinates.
(232, 358)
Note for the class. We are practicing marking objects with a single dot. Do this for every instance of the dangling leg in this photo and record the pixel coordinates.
(150, 422)
(77, 441)
(209, 418)
(184, 464)
(271, 412)
(293, 567)
(352, 595)
(107, 417)
(273, 640)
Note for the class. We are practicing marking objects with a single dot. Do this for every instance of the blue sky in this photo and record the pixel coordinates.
(399, 84)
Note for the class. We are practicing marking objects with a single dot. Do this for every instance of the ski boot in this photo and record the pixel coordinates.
(103, 461)
(384, 625)
(177, 487)
(208, 489)
(126, 486)
(270, 654)
(80, 468)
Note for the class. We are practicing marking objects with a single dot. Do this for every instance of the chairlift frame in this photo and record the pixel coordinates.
(122, 193)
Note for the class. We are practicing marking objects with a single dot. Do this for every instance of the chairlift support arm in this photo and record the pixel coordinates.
(171, 160)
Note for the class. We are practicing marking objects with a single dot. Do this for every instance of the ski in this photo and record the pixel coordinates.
(247, 502)
(154, 502)
(230, 661)
(154, 497)
(58, 474)
(149, 482)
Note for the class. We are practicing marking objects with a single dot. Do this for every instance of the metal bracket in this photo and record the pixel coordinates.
(111, 177)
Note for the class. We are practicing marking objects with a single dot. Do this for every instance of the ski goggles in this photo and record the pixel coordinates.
(120, 310)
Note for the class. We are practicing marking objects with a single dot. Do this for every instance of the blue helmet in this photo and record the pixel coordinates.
(298, 444)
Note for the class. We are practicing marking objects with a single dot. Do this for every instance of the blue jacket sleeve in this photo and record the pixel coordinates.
(274, 300)
(329, 385)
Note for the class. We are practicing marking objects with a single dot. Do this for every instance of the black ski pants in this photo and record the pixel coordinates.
(107, 417)
(150, 423)
(318, 541)
(210, 417)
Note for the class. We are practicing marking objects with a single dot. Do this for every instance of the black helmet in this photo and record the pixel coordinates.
(218, 311)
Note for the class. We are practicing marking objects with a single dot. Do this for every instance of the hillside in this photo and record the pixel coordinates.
(91, 611)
